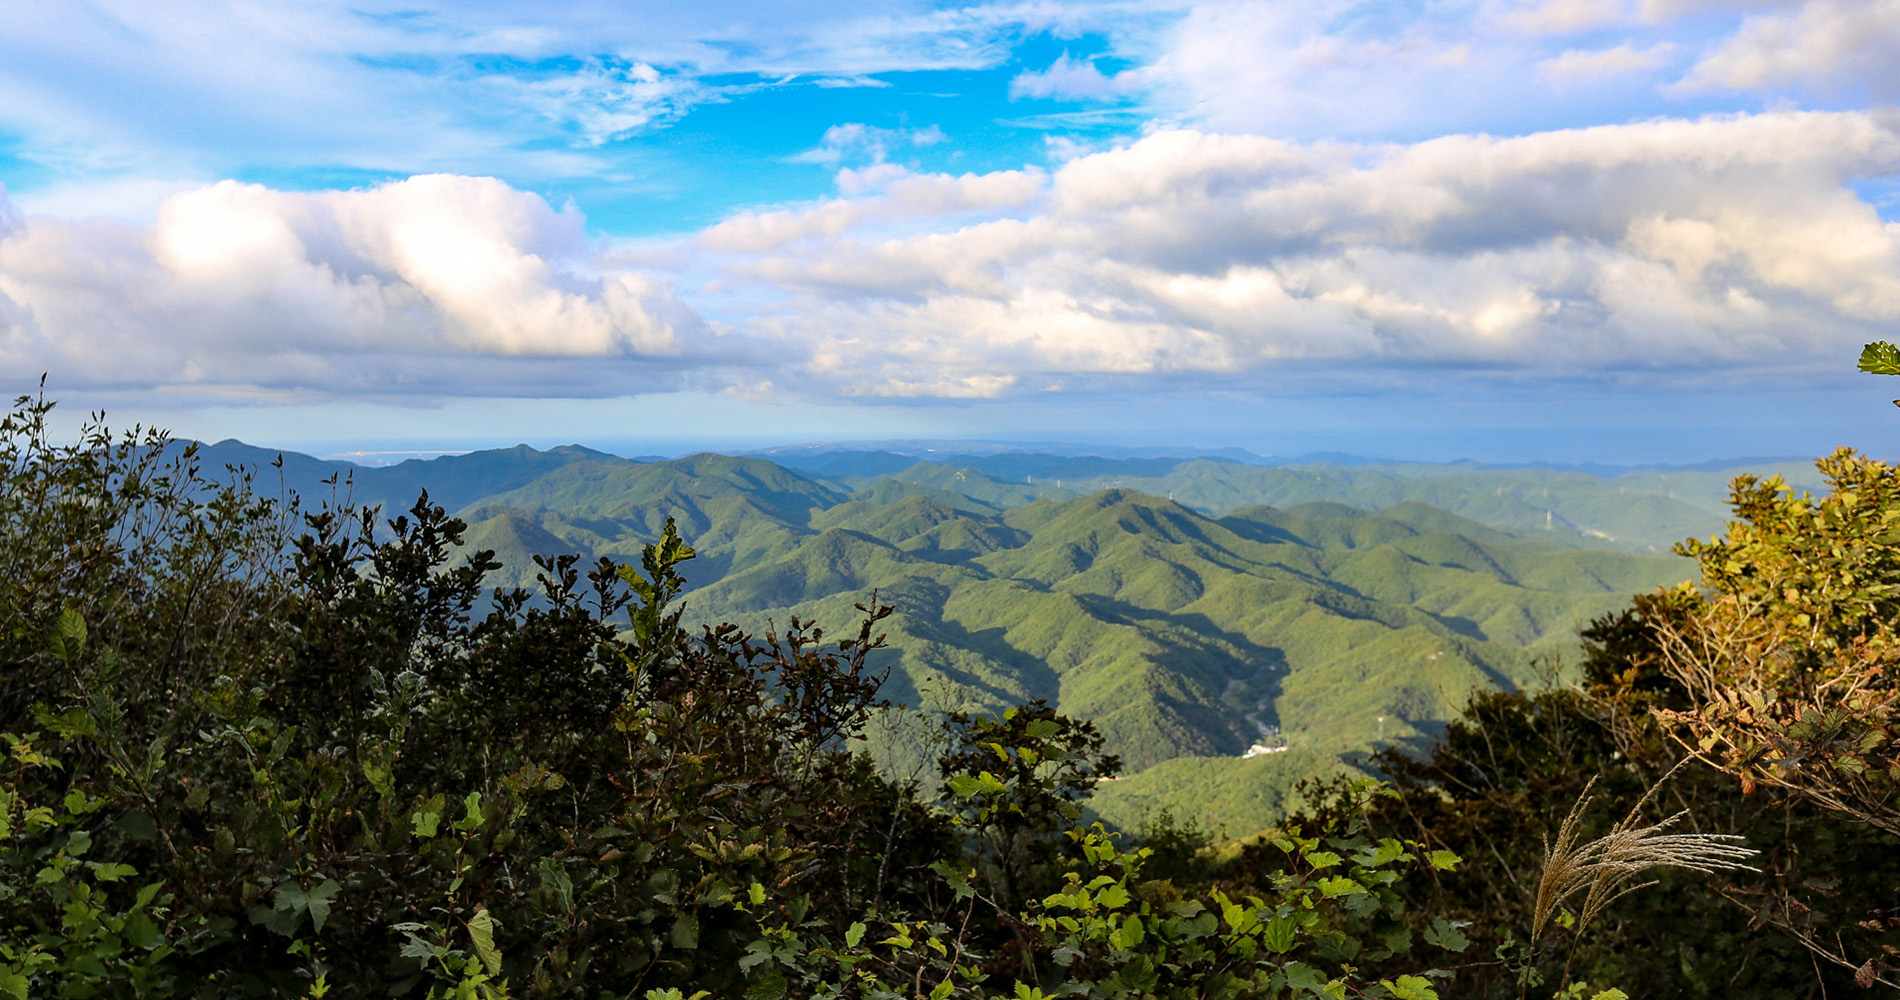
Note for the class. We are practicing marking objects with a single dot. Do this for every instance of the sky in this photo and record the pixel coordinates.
(1564, 230)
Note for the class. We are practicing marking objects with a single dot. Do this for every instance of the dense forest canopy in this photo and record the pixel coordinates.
(263, 746)
(1314, 611)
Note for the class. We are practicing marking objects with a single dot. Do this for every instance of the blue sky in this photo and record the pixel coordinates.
(1605, 230)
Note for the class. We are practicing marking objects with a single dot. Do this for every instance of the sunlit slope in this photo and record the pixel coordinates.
(1181, 634)
(1637, 511)
(738, 512)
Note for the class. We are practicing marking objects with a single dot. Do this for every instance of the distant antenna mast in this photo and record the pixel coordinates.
(1382, 729)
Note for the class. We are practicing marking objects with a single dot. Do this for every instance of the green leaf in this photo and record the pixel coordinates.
(1410, 988)
(1129, 934)
(318, 902)
(1277, 937)
(481, 933)
(473, 818)
(1301, 976)
(13, 984)
(112, 871)
(1443, 860)
(70, 637)
(141, 932)
(770, 986)
(1342, 886)
(1139, 976)
(1447, 934)
(853, 935)
(685, 932)
(554, 878)
(426, 824)
(1879, 358)
(1323, 859)
(1611, 994)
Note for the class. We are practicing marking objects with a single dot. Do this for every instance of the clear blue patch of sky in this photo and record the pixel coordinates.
(745, 151)
(19, 171)
(1883, 193)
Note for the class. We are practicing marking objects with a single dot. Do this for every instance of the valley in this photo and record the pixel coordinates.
(1344, 607)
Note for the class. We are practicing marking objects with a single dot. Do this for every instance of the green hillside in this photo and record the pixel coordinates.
(1183, 636)
(1312, 606)
(1636, 511)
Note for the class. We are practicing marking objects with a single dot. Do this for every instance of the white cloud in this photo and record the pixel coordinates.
(856, 142)
(1340, 68)
(1077, 78)
(605, 102)
(1554, 17)
(411, 287)
(1718, 242)
(1827, 43)
(1665, 245)
(1588, 64)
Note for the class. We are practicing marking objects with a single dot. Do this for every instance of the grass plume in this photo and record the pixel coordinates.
(1607, 868)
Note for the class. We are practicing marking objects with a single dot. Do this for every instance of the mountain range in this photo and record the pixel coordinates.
(1191, 607)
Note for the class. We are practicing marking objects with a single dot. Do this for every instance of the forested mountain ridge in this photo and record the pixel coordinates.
(1185, 634)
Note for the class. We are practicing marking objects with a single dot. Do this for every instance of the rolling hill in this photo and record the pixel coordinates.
(1321, 607)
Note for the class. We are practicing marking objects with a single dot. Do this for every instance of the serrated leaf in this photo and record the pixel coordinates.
(473, 817)
(1335, 887)
(426, 824)
(685, 933)
(1443, 860)
(1880, 358)
(1447, 934)
(481, 934)
(318, 902)
(1410, 988)
(1277, 936)
(1301, 976)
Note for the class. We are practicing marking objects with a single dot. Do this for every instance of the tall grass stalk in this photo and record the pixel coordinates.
(1607, 868)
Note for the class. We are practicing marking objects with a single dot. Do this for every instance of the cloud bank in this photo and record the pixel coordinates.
(1724, 243)
(1727, 243)
(435, 284)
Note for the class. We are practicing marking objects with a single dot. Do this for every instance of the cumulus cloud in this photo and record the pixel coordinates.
(1719, 242)
(1723, 242)
(418, 286)
(885, 193)
(1829, 43)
